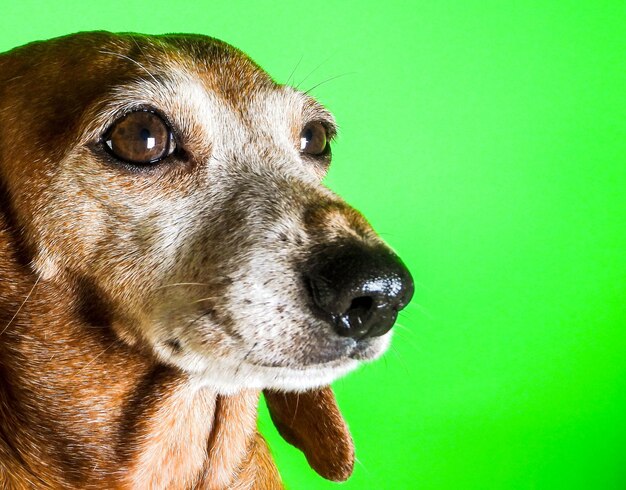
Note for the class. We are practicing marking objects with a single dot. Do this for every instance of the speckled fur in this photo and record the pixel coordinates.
(142, 311)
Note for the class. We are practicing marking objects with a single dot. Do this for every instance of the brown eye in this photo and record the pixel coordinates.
(313, 139)
(140, 137)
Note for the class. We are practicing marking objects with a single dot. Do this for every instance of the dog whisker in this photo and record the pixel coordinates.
(295, 412)
(191, 324)
(329, 80)
(95, 358)
(406, 313)
(408, 336)
(404, 329)
(176, 284)
(245, 358)
(360, 463)
(294, 70)
(123, 56)
(22, 305)
(141, 50)
(313, 71)
(401, 360)
(208, 298)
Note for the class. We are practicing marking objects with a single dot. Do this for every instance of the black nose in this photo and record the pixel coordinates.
(359, 289)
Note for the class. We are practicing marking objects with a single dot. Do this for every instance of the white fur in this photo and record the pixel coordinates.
(162, 240)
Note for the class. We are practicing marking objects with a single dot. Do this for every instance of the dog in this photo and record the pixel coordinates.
(167, 253)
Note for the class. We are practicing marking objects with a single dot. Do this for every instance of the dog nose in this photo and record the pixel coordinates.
(359, 289)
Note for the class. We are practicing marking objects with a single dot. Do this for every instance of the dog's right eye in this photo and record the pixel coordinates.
(140, 137)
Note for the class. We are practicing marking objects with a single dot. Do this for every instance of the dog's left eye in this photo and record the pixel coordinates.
(314, 139)
(140, 137)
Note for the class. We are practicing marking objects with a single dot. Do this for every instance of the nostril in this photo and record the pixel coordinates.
(358, 290)
(361, 304)
(355, 321)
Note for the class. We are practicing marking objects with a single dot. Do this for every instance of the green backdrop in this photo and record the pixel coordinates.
(486, 141)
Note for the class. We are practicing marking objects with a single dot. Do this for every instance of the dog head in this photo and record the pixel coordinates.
(183, 185)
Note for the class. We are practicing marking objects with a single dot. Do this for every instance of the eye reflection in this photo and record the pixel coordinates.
(140, 137)
(313, 139)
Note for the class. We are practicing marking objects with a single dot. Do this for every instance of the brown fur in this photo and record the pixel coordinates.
(80, 409)
(83, 403)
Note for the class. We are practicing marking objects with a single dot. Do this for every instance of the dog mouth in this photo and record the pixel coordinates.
(365, 350)
(298, 354)
(315, 352)
(288, 330)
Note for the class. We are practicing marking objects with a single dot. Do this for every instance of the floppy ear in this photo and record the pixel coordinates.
(312, 422)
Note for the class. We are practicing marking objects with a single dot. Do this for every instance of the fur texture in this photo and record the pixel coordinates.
(142, 310)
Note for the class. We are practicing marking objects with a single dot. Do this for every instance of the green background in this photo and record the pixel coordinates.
(486, 142)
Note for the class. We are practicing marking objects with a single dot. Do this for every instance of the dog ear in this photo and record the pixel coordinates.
(312, 422)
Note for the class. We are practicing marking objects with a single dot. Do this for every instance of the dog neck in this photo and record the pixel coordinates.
(79, 408)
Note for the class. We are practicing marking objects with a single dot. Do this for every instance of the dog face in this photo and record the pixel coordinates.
(177, 182)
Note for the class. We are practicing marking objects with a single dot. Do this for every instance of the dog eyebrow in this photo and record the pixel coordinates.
(136, 93)
(314, 111)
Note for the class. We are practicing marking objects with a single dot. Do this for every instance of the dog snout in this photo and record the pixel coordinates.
(359, 290)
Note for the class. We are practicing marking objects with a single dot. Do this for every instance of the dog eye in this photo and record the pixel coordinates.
(313, 139)
(140, 137)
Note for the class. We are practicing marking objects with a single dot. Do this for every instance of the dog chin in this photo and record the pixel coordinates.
(229, 376)
(250, 376)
